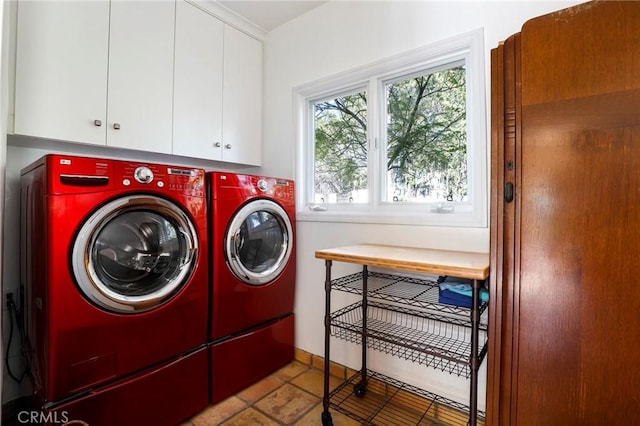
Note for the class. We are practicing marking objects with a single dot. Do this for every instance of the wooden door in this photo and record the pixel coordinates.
(566, 250)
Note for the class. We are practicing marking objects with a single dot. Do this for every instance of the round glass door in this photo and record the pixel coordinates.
(134, 253)
(259, 242)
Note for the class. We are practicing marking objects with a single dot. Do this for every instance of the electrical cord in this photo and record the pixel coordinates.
(13, 311)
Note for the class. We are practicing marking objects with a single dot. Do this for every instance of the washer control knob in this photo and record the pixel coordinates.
(143, 174)
(263, 185)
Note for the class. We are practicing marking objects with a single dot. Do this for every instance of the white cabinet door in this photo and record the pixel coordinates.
(61, 70)
(242, 98)
(141, 75)
(197, 111)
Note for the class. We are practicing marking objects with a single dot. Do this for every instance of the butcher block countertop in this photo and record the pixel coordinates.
(441, 262)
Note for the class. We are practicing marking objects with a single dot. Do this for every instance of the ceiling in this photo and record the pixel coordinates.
(268, 14)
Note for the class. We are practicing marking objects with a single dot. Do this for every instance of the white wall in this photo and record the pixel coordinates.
(336, 37)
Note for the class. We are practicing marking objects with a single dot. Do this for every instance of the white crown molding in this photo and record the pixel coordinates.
(230, 18)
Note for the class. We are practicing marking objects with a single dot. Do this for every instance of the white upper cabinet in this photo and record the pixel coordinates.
(156, 76)
(61, 70)
(242, 98)
(197, 119)
(139, 112)
(86, 68)
(218, 89)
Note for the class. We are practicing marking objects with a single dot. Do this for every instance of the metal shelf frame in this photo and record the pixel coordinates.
(412, 326)
(417, 292)
(391, 402)
(436, 341)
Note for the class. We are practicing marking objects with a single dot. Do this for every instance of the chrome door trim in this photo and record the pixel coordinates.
(83, 268)
(233, 234)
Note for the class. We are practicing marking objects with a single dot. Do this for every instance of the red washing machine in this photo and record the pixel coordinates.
(254, 273)
(114, 269)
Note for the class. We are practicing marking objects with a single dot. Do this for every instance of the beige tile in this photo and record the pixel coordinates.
(216, 414)
(251, 417)
(287, 403)
(291, 370)
(313, 418)
(302, 356)
(317, 362)
(351, 372)
(335, 369)
(260, 389)
(313, 381)
(338, 370)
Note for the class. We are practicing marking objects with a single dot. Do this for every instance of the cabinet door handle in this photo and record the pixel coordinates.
(217, 144)
(116, 126)
(97, 123)
(228, 146)
(508, 192)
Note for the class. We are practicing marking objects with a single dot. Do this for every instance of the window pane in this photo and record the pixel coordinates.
(427, 138)
(340, 129)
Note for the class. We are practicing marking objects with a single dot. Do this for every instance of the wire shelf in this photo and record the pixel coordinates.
(422, 293)
(430, 339)
(388, 402)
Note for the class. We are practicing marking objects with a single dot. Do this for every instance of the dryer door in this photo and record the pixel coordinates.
(134, 253)
(258, 242)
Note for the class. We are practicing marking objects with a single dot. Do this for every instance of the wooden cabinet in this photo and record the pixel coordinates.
(218, 89)
(564, 220)
(96, 72)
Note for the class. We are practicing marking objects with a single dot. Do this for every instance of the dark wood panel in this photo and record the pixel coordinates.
(566, 308)
(505, 132)
(497, 236)
(581, 51)
(580, 236)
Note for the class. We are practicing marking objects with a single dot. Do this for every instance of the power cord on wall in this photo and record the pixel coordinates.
(15, 314)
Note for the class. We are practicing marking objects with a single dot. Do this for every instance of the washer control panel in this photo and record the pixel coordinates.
(262, 185)
(168, 178)
(85, 174)
(143, 174)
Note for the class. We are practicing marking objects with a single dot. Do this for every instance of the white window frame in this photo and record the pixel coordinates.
(467, 48)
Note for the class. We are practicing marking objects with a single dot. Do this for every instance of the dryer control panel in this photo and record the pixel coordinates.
(281, 189)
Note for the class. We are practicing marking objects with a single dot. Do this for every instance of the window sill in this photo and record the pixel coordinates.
(466, 220)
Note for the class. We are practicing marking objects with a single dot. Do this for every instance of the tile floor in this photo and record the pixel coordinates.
(290, 396)
(293, 396)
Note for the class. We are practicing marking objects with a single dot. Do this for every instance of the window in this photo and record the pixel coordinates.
(341, 149)
(399, 141)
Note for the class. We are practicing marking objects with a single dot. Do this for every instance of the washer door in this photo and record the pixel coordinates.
(134, 253)
(258, 242)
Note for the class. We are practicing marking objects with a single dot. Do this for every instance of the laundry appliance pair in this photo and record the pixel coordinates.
(137, 286)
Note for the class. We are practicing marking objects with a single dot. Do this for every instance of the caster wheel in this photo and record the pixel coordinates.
(326, 419)
(360, 390)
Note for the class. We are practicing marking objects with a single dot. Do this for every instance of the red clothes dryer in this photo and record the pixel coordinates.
(253, 273)
(115, 273)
